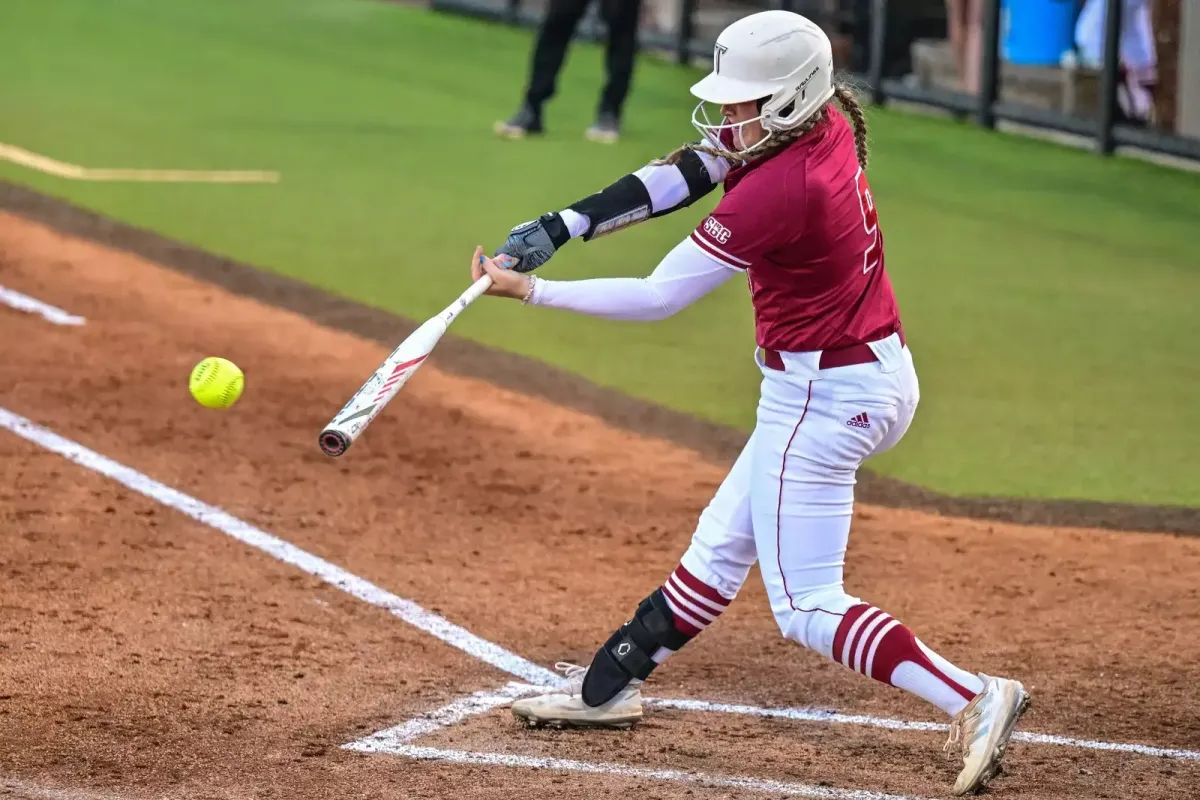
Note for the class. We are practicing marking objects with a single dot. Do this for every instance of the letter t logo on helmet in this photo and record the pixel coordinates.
(779, 57)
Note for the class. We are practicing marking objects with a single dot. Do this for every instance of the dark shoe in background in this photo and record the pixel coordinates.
(606, 129)
(525, 122)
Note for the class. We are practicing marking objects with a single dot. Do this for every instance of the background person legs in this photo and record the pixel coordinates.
(621, 18)
(964, 19)
(549, 53)
(1138, 66)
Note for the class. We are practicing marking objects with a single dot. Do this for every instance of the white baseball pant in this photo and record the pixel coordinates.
(788, 503)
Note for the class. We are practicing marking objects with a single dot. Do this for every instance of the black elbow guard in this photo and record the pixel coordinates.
(628, 202)
(620, 205)
(699, 182)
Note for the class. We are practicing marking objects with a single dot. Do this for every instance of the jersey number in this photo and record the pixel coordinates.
(874, 251)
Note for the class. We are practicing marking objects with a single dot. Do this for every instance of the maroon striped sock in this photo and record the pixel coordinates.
(870, 641)
(694, 604)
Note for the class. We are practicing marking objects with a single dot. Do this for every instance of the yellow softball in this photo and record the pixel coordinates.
(216, 382)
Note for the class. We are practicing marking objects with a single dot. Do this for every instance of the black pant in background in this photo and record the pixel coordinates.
(554, 36)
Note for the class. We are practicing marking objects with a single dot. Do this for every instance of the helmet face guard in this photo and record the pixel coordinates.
(727, 135)
(782, 60)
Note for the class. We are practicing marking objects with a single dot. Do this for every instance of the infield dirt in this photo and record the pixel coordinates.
(143, 654)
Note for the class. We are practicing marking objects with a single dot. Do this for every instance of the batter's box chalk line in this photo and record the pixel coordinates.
(399, 739)
(703, 779)
(31, 305)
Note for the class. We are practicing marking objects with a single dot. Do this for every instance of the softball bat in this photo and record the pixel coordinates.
(371, 398)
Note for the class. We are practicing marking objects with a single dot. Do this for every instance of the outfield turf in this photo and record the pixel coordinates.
(1049, 295)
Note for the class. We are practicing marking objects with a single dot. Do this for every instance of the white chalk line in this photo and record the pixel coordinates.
(452, 634)
(818, 715)
(450, 714)
(639, 773)
(481, 702)
(286, 552)
(74, 172)
(397, 741)
(31, 305)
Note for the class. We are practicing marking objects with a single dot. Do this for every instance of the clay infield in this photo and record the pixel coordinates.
(146, 653)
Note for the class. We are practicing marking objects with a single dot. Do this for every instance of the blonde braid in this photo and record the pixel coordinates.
(848, 100)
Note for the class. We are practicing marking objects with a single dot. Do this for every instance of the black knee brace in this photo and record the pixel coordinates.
(629, 653)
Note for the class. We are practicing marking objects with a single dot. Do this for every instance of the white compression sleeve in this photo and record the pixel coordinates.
(684, 275)
(577, 224)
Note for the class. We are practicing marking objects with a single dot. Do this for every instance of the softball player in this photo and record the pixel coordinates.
(798, 220)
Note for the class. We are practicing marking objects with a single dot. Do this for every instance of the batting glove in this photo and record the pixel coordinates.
(532, 244)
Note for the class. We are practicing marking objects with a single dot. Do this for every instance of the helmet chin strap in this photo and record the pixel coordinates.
(759, 145)
(712, 131)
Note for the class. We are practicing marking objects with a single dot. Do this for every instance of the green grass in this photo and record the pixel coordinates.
(1050, 295)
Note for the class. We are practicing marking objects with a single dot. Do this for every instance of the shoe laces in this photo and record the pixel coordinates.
(574, 675)
(962, 727)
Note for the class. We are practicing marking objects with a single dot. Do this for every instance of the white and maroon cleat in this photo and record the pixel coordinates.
(983, 729)
(566, 709)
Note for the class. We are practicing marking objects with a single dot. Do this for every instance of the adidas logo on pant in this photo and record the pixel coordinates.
(859, 421)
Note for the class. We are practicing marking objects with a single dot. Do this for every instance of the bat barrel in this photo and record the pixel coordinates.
(333, 443)
(391, 376)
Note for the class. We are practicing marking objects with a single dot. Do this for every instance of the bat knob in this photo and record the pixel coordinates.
(333, 443)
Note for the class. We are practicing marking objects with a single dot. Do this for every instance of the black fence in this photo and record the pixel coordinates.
(894, 49)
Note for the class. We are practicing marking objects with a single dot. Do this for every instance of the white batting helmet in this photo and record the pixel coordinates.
(777, 56)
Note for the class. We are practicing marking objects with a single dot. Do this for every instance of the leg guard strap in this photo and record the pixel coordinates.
(629, 652)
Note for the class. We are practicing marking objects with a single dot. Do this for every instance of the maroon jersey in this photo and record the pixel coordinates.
(802, 224)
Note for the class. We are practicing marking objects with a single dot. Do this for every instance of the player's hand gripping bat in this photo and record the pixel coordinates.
(349, 423)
